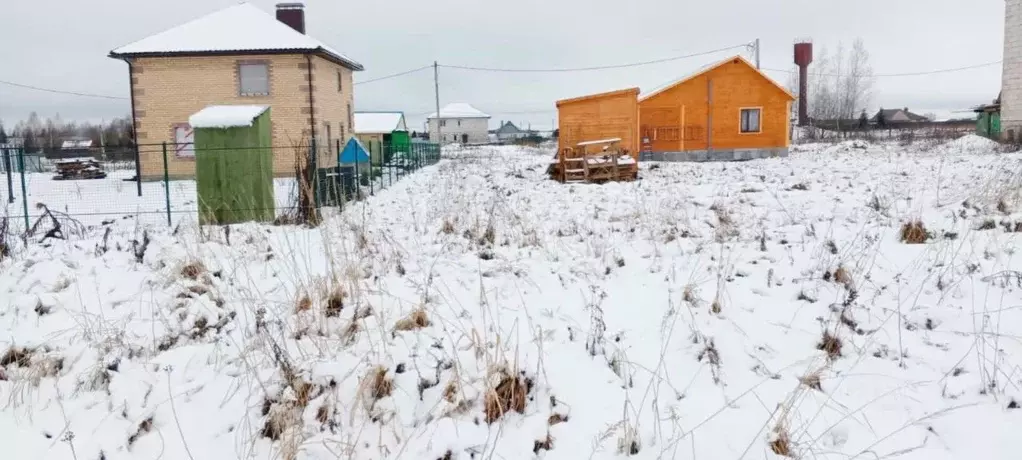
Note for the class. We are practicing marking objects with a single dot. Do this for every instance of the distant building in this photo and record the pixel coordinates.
(898, 116)
(1011, 78)
(508, 131)
(459, 123)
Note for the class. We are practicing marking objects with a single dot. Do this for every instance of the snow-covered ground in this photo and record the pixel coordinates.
(476, 310)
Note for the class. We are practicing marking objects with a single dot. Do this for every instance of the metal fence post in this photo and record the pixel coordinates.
(166, 182)
(10, 175)
(315, 175)
(138, 169)
(372, 169)
(24, 189)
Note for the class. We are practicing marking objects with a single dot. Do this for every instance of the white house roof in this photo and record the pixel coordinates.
(226, 116)
(379, 122)
(242, 28)
(459, 110)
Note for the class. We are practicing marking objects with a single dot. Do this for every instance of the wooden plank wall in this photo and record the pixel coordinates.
(600, 116)
(735, 85)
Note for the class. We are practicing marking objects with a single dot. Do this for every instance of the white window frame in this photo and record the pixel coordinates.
(184, 140)
(242, 90)
(742, 129)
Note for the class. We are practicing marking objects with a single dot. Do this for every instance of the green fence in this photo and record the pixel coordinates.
(160, 188)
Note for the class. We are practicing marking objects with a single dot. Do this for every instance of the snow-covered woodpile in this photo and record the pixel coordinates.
(79, 168)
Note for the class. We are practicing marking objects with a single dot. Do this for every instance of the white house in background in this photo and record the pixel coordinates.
(1011, 79)
(508, 131)
(459, 122)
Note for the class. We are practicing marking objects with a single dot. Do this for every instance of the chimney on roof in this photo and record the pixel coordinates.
(292, 14)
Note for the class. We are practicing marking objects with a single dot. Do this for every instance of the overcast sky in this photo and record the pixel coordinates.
(63, 44)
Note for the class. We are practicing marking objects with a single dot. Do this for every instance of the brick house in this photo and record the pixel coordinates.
(238, 55)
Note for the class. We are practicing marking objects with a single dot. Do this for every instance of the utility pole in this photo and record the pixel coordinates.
(757, 53)
(436, 92)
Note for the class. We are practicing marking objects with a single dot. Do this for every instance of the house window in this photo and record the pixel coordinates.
(340, 82)
(443, 123)
(343, 132)
(184, 139)
(750, 120)
(351, 118)
(254, 79)
(459, 122)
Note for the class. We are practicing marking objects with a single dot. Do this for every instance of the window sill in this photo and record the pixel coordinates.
(254, 95)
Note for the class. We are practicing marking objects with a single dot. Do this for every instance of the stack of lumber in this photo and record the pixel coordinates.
(78, 168)
(593, 162)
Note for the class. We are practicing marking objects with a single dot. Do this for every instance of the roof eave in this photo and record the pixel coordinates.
(168, 54)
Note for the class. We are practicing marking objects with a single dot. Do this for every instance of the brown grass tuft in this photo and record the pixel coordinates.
(334, 304)
(841, 276)
(304, 304)
(543, 444)
(380, 386)
(831, 344)
(416, 320)
(193, 270)
(812, 380)
(447, 228)
(451, 391)
(781, 445)
(556, 419)
(914, 233)
(17, 356)
(509, 395)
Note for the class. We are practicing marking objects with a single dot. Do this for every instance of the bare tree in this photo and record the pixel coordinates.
(856, 82)
(842, 83)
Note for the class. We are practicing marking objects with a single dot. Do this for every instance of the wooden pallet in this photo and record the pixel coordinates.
(582, 164)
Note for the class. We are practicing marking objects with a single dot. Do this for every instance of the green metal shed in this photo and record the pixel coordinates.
(233, 164)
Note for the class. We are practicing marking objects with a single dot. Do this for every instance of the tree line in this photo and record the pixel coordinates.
(37, 133)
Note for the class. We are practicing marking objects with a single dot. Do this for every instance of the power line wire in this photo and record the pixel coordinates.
(605, 67)
(905, 74)
(399, 74)
(57, 91)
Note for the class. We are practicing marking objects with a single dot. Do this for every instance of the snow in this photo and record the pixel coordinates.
(379, 122)
(601, 141)
(226, 116)
(971, 144)
(242, 27)
(459, 110)
(674, 317)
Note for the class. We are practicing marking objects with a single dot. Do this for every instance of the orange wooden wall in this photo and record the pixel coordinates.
(736, 84)
(600, 116)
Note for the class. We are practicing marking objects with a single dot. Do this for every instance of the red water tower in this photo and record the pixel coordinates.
(803, 57)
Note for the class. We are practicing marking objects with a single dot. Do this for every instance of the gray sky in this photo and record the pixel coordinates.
(63, 44)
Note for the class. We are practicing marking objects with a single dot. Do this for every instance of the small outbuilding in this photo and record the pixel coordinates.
(382, 133)
(233, 164)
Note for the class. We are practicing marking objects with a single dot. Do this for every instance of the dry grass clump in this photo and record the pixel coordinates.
(193, 270)
(812, 380)
(781, 443)
(335, 303)
(416, 320)
(379, 384)
(304, 303)
(448, 227)
(509, 395)
(914, 233)
(17, 356)
(556, 419)
(831, 344)
(841, 276)
(543, 444)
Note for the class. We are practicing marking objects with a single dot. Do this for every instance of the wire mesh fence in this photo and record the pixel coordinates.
(168, 184)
